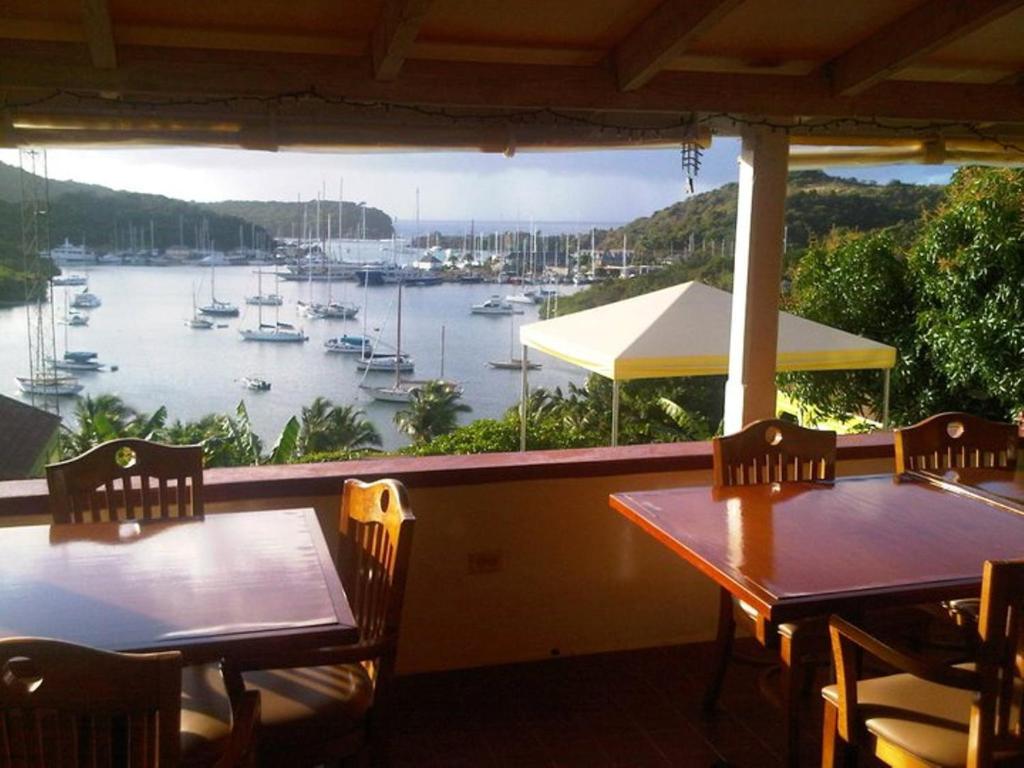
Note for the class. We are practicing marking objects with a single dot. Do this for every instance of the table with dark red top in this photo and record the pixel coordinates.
(247, 581)
(998, 485)
(802, 550)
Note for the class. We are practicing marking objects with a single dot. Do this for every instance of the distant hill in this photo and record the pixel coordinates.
(10, 186)
(97, 215)
(283, 219)
(816, 204)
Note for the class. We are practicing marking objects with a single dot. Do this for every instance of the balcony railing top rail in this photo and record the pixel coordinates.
(225, 485)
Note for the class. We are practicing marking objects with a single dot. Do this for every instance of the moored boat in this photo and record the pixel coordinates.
(495, 306)
(86, 300)
(349, 344)
(51, 384)
(71, 280)
(386, 362)
(256, 383)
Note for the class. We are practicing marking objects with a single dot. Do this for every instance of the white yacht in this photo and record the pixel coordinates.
(495, 306)
(276, 331)
(71, 280)
(256, 383)
(281, 332)
(265, 300)
(86, 300)
(387, 362)
(72, 254)
(215, 307)
(52, 384)
(350, 344)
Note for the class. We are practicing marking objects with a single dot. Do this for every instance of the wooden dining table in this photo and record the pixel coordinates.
(800, 550)
(992, 483)
(212, 587)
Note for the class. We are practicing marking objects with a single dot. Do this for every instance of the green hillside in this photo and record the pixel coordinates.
(97, 215)
(816, 204)
(282, 219)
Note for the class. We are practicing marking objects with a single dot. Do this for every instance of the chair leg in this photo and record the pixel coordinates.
(835, 751)
(829, 737)
(723, 649)
(791, 653)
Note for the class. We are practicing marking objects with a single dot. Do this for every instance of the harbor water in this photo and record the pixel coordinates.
(140, 329)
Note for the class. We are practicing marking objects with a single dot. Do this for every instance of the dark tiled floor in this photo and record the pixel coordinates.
(638, 709)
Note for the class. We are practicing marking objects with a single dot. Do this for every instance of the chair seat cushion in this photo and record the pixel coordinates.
(307, 704)
(206, 717)
(925, 719)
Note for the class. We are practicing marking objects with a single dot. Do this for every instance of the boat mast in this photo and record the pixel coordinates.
(442, 352)
(259, 294)
(398, 339)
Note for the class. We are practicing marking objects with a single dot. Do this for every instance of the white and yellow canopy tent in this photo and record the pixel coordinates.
(684, 331)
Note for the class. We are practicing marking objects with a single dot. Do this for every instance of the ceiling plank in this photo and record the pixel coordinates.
(920, 31)
(99, 33)
(394, 35)
(197, 75)
(666, 33)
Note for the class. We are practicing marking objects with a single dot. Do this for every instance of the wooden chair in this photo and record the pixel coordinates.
(127, 479)
(928, 715)
(67, 705)
(767, 451)
(773, 451)
(955, 440)
(332, 703)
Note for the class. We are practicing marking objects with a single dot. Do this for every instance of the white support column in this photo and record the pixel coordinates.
(760, 220)
(524, 400)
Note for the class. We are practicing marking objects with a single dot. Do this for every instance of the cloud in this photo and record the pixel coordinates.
(586, 186)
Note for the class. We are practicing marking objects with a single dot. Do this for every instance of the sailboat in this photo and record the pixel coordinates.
(513, 363)
(276, 331)
(401, 391)
(197, 321)
(385, 361)
(215, 307)
(74, 361)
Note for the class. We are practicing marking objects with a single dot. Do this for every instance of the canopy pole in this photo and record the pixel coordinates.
(524, 397)
(615, 413)
(885, 397)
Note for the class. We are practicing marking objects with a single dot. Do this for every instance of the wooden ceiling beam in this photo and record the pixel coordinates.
(99, 33)
(394, 35)
(661, 37)
(919, 32)
(184, 75)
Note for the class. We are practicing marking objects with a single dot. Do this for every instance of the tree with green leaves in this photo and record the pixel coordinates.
(952, 306)
(327, 428)
(433, 410)
(968, 274)
(107, 417)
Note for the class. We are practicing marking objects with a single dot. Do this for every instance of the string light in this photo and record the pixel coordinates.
(669, 131)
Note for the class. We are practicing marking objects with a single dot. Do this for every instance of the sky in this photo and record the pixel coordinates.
(584, 186)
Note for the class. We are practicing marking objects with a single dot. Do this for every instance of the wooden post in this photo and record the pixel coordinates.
(760, 221)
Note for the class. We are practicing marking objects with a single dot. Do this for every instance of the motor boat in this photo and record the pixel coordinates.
(256, 383)
(86, 300)
(495, 306)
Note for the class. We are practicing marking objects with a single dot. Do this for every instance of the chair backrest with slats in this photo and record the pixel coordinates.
(995, 716)
(373, 562)
(67, 705)
(773, 451)
(127, 479)
(956, 440)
